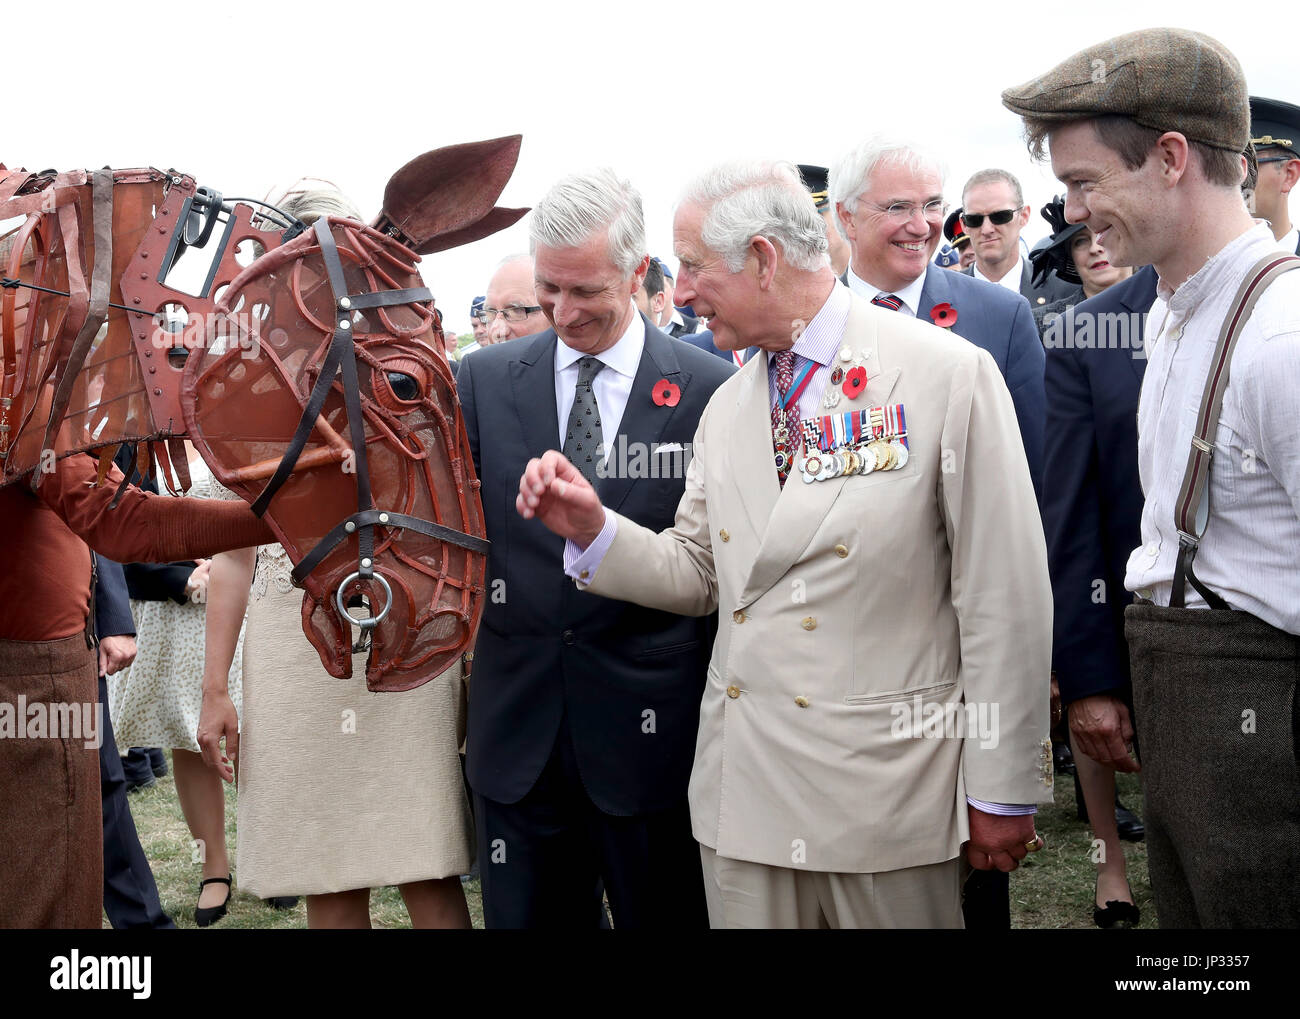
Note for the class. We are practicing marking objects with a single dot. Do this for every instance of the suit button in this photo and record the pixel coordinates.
(801, 701)
(842, 551)
(733, 692)
(809, 623)
(569, 638)
(738, 615)
(724, 535)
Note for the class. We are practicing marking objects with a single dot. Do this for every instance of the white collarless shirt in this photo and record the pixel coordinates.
(612, 384)
(1250, 552)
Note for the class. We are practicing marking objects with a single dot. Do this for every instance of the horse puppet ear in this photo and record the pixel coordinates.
(447, 197)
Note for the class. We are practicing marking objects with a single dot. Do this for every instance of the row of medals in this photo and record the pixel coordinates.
(881, 453)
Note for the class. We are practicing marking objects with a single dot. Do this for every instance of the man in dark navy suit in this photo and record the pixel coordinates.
(1092, 513)
(583, 711)
(889, 204)
(130, 892)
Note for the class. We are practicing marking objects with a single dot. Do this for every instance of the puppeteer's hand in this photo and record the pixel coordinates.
(218, 720)
(553, 491)
(1100, 727)
(998, 842)
(116, 653)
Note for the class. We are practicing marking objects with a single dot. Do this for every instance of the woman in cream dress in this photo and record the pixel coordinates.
(340, 790)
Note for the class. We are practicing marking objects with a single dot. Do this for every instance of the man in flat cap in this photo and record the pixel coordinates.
(1275, 133)
(1147, 132)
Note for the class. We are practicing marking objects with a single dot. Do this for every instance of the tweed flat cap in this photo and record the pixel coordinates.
(1168, 79)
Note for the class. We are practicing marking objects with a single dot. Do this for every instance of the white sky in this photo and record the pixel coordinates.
(246, 96)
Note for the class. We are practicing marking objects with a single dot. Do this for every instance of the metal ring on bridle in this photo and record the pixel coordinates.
(373, 621)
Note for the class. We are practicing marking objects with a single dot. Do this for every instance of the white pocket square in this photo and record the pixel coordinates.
(668, 447)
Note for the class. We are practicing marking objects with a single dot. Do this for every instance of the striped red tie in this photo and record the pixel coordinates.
(782, 418)
(887, 301)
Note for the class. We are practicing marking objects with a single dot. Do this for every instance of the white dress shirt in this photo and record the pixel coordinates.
(612, 384)
(1011, 280)
(910, 295)
(1250, 552)
(1290, 240)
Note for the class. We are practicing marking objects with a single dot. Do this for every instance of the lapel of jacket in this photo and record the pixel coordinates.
(802, 506)
(532, 384)
(934, 291)
(643, 421)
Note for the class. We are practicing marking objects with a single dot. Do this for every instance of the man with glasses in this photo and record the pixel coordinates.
(889, 203)
(993, 213)
(1275, 133)
(511, 309)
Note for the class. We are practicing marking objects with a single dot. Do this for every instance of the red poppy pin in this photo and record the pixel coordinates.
(666, 394)
(944, 315)
(855, 380)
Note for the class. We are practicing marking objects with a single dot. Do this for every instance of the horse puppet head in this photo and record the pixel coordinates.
(311, 377)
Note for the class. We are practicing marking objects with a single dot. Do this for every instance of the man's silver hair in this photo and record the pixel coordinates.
(851, 175)
(760, 198)
(584, 204)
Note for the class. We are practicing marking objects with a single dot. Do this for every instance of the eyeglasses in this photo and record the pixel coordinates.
(1275, 159)
(975, 220)
(515, 313)
(901, 212)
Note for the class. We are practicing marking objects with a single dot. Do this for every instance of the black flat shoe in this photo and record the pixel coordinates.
(1128, 824)
(282, 901)
(1117, 914)
(205, 916)
(1062, 758)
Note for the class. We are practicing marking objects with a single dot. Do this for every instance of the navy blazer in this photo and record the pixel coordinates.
(152, 581)
(625, 680)
(995, 319)
(112, 609)
(1092, 505)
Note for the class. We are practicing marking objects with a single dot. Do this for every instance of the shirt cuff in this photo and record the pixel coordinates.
(582, 564)
(1002, 809)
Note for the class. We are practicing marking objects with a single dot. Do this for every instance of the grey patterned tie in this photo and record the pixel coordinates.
(583, 438)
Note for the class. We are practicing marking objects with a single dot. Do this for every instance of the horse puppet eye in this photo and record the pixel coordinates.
(404, 386)
(401, 383)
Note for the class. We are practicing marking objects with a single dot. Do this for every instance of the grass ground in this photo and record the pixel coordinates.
(1052, 889)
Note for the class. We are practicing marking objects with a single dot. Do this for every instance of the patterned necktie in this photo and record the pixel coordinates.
(887, 301)
(785, 420)
(583, 438)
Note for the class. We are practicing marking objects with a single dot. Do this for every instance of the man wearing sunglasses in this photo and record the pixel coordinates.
(1275, 133)
(993, 213)
(511, 309)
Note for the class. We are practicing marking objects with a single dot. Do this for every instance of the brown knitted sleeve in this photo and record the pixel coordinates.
(145, 527)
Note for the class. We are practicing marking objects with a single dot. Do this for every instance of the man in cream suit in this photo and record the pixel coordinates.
(876, 706)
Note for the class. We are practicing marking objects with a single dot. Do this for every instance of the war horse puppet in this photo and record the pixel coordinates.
(306, 366)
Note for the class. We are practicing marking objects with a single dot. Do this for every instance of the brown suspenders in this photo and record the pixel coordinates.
(1192, 511)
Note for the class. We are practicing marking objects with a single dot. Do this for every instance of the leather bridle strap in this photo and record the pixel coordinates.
(387, 518)
(342, 355)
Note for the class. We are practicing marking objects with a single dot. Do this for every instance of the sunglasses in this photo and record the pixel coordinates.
(975, 220)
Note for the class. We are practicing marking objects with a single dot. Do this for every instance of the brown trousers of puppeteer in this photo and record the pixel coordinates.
(51, 825)
(1215, 704)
